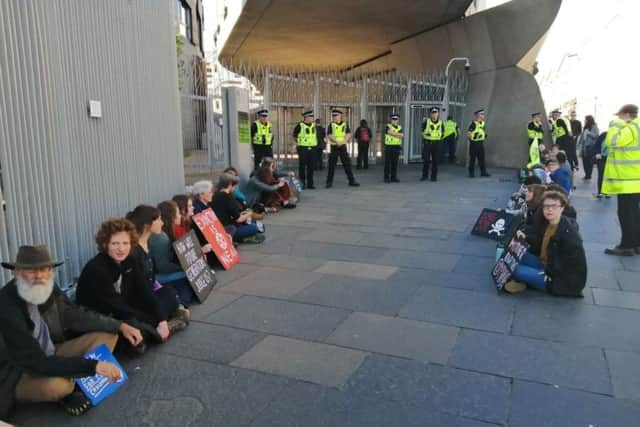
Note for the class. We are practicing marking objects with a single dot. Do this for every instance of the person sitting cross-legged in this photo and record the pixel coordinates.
(556, 260)
(230, 212)
(38, 357)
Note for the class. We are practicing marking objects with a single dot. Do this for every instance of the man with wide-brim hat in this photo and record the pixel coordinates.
(38, 361)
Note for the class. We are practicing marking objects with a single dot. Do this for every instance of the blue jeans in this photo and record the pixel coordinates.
(179, 282)
(531, 272)
(245, 230)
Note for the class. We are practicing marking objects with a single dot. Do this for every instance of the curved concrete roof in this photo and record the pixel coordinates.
(294, 32)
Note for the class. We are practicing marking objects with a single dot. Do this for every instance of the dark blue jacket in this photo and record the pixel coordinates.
(562, 178)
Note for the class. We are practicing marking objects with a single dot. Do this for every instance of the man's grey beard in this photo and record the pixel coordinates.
(34, 294)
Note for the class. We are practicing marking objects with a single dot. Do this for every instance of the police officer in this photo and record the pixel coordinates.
(562, 135)
(477, 135)
(622, 177)
(339, 134)
(306, 141)
(261, 138)
(534, 128)
(392, 146)
(432, 134)
(451, 133)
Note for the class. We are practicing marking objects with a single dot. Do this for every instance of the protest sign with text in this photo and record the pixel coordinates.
(508, 261)
(97, 388)
(201, 278)
(220, 240)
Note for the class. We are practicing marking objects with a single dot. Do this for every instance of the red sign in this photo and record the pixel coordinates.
(220, 240)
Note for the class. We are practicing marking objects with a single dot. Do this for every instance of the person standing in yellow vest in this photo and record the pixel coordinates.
(339, 135)
(563, 137)
(534, 129)
(392, 146)
(477, 135)
(432, 134)
(622, 177)
(261, 138)
(306, 141)
(451, 133)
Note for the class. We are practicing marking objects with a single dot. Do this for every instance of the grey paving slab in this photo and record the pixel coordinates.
(169, 391)
(212, 343)
(290, 262)
(620, 299)
(535, 360)
(603, 279)
(337, 252)
(422, 341)
(422, 260)
(312, 405)
(216, 300)
(280, 317)
(559, 407)
(631, 263)
(469, 309)
(584, 324)
(224, 277)
(303, 360)
(273, 282)
(329, 236)
(625, 374)
(476, 264)
(365, 295)
(357, 269)
(476, 281)
(628, 280)
(465, 393)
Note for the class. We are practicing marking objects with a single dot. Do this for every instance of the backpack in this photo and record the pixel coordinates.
(364, 134)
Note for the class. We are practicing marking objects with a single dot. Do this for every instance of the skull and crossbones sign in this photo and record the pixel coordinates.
(498, 227)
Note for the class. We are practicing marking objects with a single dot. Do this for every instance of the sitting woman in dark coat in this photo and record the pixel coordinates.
(274, 191)
(113, 283)
(556, 259)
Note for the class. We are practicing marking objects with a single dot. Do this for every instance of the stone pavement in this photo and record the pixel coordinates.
(375, 307)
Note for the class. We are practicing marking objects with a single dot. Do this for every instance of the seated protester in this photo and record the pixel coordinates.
(556, 259)
(278, 194)
(168, 269)
(38, 360)
(230, 212)
(114, 283)
(238, 194)
(519, 197)
(564, 164)
(202, 195)
(257, 208)
(185, 204)
(533, 198)
(559, 175)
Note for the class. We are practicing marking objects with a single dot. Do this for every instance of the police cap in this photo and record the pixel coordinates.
(434, 110)
(394, 116)
(336, 113)
(481, 111)
(307, 113)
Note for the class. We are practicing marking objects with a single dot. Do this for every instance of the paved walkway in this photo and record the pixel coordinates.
(374, 307)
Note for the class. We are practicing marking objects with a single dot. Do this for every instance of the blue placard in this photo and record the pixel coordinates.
(97, 388)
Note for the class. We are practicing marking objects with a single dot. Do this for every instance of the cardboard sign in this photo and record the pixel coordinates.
(492, 224)
(220, 240)
(508, 261)
(201, 278)
(97, 388)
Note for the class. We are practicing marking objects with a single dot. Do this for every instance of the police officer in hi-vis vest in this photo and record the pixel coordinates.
(432, 134)
(339, 134)
(451, 133)
(392, 146)
(562, 134)
(534, 128)
(477, 135)
(306, 140)
(261, 138)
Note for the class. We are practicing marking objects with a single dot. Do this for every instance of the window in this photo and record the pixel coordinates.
(185, 23)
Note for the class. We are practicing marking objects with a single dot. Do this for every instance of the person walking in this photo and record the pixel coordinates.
(392, 146)
(363, 136)
(306, 141)
(587, 143)
(477, 135)
(622, 177)
(261, 138)
(432, 134)
(451, 133)
(534, 128)
(339, 135)
(322, 144)
(601, 152)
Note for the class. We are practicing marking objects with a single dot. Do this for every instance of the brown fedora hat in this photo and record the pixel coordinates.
(32, 257)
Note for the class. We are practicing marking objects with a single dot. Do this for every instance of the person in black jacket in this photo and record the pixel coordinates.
(363, 136)
(556, 260)
(114, 283)
(38, 357)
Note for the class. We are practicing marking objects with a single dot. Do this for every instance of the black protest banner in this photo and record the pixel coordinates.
(201, 278)
(492, 224)
(508, 261)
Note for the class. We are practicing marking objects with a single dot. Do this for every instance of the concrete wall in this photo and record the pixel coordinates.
(63, 172)
(502, 44)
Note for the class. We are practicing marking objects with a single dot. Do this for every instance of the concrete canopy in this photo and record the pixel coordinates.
(293, 32)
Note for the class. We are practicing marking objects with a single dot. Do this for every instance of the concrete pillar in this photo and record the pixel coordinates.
(237, 125)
